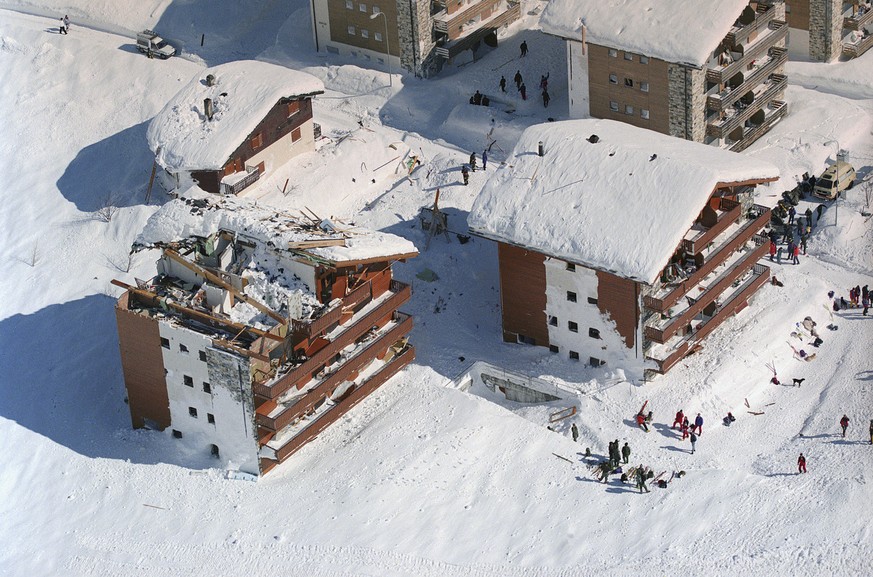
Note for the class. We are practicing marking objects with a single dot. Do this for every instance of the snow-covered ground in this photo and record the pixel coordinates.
(420, 479)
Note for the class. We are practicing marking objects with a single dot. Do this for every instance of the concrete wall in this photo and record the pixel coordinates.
(577, 80)
(226, 397)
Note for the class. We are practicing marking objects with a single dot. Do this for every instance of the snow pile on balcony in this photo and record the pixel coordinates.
(621, 204)
(244, 91)
(202, 215)
(684, 32)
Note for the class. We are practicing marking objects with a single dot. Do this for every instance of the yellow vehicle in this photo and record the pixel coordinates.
(837, 178)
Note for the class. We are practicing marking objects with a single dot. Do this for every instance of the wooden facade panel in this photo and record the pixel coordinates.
(601, 91)
(143, 366)
(277, 123)
(797, 14)
(523, 293)
(342, 17)
(618, 299)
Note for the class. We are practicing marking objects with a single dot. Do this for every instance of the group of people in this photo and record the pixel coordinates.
(465, 171)
(522, 88)
(65, 25)
(858, 297)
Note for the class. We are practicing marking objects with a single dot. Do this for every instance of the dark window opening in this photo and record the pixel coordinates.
(207, 388)
(594, 333)
(574, 328)
(592, 301)
(210, 418)
(192, 411)
(165, 343)
(553, 321)
(574, 356)
(203, 356)
(629, 82)
(525, 340)
(189, 382)
(553, 348)
(177, 434)
(571, 267)
(214, 449)
(183, 348)
(571, 296)
(594, 362)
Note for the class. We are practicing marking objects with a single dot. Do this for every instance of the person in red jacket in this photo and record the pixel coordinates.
(684, 428)
(641, 421)
(801, 464)
(677, 422)
(844, 423)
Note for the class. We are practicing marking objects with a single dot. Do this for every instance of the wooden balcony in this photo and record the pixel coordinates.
(727, 98)
(737, 302)
(313, 327)
(777, 109)
(761, 216)
(731, 212)
(454, 46)
(272, 420)
(716, 287)
(857, 22)
(302, 373)
(858, 48)
(738, 35)
(327, 417)
(721, 128)
(778, 32)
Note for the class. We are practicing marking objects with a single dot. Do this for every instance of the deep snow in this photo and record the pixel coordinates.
(420, 479)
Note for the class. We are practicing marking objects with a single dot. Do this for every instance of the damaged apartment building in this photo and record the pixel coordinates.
(260, 329)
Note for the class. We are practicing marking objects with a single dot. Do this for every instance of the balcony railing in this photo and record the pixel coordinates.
(360, 359)
(332, 414)
(723, 127)
(727, 98)
(720, 285)
(778, 32)
(731, 212)
(737, 301)
(762, 20)
(777, 110)
(748, 230)
(858, 48)
(857, 22)
(466, 42)
(303, 372)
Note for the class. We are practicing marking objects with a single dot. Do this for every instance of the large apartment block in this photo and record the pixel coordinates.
(639, 247)
(259, 330)
(418, 36)
(714, 74)
(829, 29)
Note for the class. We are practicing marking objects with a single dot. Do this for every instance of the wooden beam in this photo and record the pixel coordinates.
(216, 280)
(154, 299)
(317, 243)
(246, 352)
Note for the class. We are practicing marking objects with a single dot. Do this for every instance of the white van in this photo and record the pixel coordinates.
(837, 178)
(150, 44)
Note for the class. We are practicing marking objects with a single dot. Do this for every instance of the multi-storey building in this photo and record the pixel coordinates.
(417, 35)
(622, 246)
(260, 329)
(233, 123)
(827, 29)
(710, 73)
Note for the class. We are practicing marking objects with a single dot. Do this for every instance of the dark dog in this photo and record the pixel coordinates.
(798, 381)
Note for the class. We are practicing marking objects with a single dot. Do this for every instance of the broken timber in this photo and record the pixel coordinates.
(562, 414)
(317, 243)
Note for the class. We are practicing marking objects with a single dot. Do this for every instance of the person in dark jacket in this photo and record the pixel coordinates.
(465, 174)
(523, 90)
(693, 441)
(801, 464)
(502, 84)
(523, 49)
(698, 424)
(518, 79)
(574, 430)
(472, 162)
(484, 159)
(871, 431)
(844, 423)
(546, 98)
(625, 451)
(641, 479)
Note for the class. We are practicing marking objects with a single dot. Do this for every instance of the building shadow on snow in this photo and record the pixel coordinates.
(63, 380)
(112, 172)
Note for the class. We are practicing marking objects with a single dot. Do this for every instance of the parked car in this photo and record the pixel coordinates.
(149, 43)
(838, 177)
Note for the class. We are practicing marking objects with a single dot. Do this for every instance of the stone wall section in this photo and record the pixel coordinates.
(415, 30)
(825, 29)
(686, 91)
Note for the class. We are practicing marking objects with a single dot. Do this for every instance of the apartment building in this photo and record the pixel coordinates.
(260, 329)
(828, 29)
(639, 245)
(419, 36)
(712, 74)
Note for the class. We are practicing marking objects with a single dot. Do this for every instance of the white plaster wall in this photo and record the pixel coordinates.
(284, 149)
(233, 430)
(798, 44)
(304, 271)
(583, 281)
(577, 76)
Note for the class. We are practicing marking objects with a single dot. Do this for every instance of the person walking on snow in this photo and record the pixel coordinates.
(472, 162)
(465, 174)
(698, 424)
(684, 428)
(544, 82)
(484, 159)
(844, 423)
(772, 250)
(641, 422)
(795, 253)
(546, 98)
(791, 213)
(65, 25)
(517, 79)
(523, 49)
(693, 441)
(641, 479)
(801, 464)
(523, 90)
(502, 84)
(625, 452)
(677, 422)
(574, 430)
(871, 431)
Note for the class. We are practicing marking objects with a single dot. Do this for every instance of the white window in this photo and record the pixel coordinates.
(613, 52)
(362, 7)
(351, 30)
(628, 56)
(644, 59)
(644, 114)
(377, 36)
(644, 86)
(376, 10)
(628, 109)
(350, 5)
(613, 79)
(613, 105)
(365, 33)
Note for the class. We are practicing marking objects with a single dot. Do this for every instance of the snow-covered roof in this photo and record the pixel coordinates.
(207, 214)
(243, 94)
(676, 31)
(622, 204)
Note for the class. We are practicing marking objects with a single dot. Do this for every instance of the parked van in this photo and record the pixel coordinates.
(150, 44)
(837, 178)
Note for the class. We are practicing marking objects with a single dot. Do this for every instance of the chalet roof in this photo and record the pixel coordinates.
(201, 215)
(681, 31)
(243, 94)
(622, 204)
